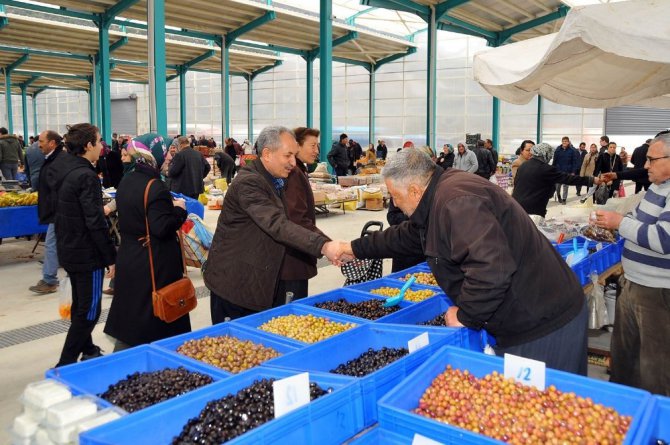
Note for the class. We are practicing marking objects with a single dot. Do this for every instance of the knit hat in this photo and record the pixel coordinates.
(543, 151)
(408, 144)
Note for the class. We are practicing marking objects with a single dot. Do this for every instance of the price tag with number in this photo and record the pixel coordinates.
(418, 342)
(421, 440)
(290, 393)
(525, 371)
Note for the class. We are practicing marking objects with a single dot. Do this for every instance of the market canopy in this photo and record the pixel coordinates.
(604, 55)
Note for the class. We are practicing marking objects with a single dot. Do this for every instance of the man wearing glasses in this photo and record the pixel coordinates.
(640, 355)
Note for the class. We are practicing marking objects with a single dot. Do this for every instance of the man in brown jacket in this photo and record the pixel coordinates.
(253, 232)
(486, 254)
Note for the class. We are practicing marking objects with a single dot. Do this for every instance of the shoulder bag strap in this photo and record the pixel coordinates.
(147, 240)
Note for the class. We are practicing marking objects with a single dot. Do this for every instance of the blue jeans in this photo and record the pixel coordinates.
(50, 266)
(9, 170)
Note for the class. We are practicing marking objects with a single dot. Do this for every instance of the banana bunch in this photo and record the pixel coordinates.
(13, 199)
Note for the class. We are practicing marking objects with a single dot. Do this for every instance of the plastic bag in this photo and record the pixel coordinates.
(64, 298)
(596, 301)
(598, 234)
(602, 194)
(622, 191)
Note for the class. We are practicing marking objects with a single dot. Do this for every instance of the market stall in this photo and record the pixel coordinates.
(18, 215)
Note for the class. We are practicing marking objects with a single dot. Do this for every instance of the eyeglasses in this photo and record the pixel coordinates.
(650, 159)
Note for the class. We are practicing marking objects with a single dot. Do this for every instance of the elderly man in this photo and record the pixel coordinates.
(187, 170)
(338, 157)
(465, 160)
(640, 353)
(253, 233)
(486, 254)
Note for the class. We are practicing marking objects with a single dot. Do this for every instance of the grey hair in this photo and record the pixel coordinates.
(270, 137)
(182, 140)
(409, 165)
(663, 139)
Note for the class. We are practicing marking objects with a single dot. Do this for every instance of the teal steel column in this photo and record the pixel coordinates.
(24, 113)
(8, 100)
(157, 79)
(310, 91)
(250, 108)
(538, 125)
(326, 76)
(225, 113)
(495, 130)
(430, 80)
(371, 108)
(105, 117)
(35, 127)
(182, 100)
(91, 98)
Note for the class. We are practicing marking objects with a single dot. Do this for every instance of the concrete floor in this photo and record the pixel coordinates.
(19, 269)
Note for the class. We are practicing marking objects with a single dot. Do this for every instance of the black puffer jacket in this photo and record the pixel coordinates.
(82, 235)
(47, 197)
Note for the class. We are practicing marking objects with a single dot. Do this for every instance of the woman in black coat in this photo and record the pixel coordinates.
(131, 320)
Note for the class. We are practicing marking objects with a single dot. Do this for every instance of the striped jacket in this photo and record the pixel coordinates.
(646, 254)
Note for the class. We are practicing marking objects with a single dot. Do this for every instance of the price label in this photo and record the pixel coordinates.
(525, 371)
(418, 342)
(290, 393)
(422, 440)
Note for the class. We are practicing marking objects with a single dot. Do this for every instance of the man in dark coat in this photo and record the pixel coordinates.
(487, 255)
(110, 166)
(187, 170)
(82, 236)
(34, 161)
(354, 151)
(582, 154)
(446, 158)
(382, 151)
(488, 144)
(338, 157)
(566, 160)
(638, 159)
(486, 166)
(253, 232)
(226, 165)
(11, 154)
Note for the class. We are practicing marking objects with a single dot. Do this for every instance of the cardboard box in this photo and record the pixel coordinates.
(374, 204)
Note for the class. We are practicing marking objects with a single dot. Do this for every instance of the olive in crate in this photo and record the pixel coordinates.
(425, 278)
(228, 353)
(369, 309)
(410, 295)
(305, 328)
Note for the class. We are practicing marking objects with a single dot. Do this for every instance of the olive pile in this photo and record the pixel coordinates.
(425, 278)
(233, 415)
(306, 328)
(228, 353)
(142, 389)
(410, 295)
(509, 411)
(370, 361)
(437, 321)
(371, 309)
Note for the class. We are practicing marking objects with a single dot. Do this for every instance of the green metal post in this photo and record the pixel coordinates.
(430, 80)
(8, 100)
(24, 113)
(225, 72)
(538, 125)
(182, 101)
(495, 130)
(35, 127)
(250, 108)
(91, 98)
(310, 91)
(371, 108)
(326, 75)
(105, 117)
(157, 87)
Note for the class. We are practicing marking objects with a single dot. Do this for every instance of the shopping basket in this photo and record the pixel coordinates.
(362, 270)
(196, 241)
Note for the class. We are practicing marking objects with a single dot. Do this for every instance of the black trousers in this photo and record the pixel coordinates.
(84, 315)
(341, 171)
(564, 349)
(222, 310)
(297, 287)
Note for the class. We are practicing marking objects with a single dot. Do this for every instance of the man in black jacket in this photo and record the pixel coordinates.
(487, 255)
(187, 170)
(486, 167)
(382, 151)
(338, 157)
(639, 158)
(582, 154)
(84, 246)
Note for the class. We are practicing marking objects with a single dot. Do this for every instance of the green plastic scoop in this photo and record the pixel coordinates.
(393, 301)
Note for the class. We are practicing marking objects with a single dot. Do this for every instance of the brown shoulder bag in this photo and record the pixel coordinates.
(176, 299)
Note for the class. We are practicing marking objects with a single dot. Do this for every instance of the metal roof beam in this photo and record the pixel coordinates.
(457, 29)
(481, 32)
(36, 92)
(351, 20)
(278, 48)
(57, 11)
(4, 21)
(265, 69)
(27, 83)
(177, 32)
(561, 12)
(54, 75)
(199, 59)
(255, 23)
(444, 7)
(401, 5)
(41, 52)
(393, 58)
(366, 65)
(118, 8)
(62, 88)
(118, 44)
(351, 35)
(18, 62)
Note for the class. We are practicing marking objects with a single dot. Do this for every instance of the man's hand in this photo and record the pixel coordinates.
(597, 180)
(608, 177)
(179, 202)
(347, 251)
(107, 210)
(111, 271)
(608, 219)
(451, 318)
(333, 251)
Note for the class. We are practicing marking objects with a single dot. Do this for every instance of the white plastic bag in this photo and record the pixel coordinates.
(596, 301)
(64, 298)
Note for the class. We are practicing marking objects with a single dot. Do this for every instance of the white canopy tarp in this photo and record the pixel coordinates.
(604, 55)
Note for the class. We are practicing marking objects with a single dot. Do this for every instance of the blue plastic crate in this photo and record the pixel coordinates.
(395, 408)
(256, 320)
(368, 286)
(281, 345)
(378, 435)
(352, 296)
(330, 353)
(567, 246)
(95, 376)
(657, 422)
(330, 419)
(423, 267)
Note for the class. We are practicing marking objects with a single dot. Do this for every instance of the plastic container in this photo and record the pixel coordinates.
(367, 287)
(378, 435)
(256, 320)
(657, 422)
(330, 419)
(95, 376)
(423, 267)
(395, 408)
(42, 437)
(352, 296)
(281, 344)
(64, 418)
(24, 426)
(329, 354)
(102, 417)
(38, 396)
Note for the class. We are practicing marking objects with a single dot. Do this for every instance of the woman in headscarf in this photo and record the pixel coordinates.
(536, 180)
(131, 320)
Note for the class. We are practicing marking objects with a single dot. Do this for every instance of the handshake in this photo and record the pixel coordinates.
(338, 252)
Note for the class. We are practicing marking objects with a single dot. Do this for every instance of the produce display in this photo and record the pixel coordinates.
(410, 295)
(509, 411)
(425, 278)
(306, 328)
(228, 353)
(142, 389)
(370, 309)
(437, 321)
(13, 199)
(370, 361)
(233, 415)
